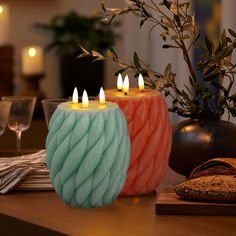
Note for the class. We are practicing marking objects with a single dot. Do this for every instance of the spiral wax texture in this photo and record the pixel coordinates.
(88, 154)
(151, 138)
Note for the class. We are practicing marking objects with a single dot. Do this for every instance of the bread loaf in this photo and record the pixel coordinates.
(213, 181)
(215, 188)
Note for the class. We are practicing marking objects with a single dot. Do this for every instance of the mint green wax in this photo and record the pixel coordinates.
(88, 153)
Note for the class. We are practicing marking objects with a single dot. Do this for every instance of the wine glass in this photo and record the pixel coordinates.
(4, 112)
(50, 105)
(20, 116)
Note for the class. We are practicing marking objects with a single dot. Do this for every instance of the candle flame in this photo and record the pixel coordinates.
(141, 82)
(85, 100)
(75, 96)
(126, 85)
(1, 9)
(102, 98)
(119, 82)
(32, 52)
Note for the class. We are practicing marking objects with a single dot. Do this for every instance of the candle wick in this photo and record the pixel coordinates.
(126, 93)
(141, 91)
(119, 90)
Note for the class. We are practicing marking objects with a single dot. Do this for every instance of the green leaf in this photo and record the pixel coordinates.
(229, 40)
(208, 44)
(232, 32)
(136, 60)
(225, 52)
(219, 86)
(145, 12)
(167, 24)
(113, 52)
(167, 70)
(209, 70)
(103, 6)
(233, 97)
(197, 37)
(191, 81)
(220, 46)
(188, 89)
(167, 4)
(203, 64)
(120, 71)
(212, 77)
(177, 19)
(168, 46)
(185, 95)
(84, 55)
(207, 96)
(223, 38)
(164, 27)
(142, 22)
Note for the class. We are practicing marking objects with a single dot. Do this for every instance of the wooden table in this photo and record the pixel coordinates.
(42, 213)
(127, 216)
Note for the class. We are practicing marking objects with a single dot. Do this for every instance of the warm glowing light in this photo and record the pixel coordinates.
(102, 98)
(85, 100)
(1, 9)
(75, 96)
(126, 85)
(32, 52)
(119, 82)
(141, 82)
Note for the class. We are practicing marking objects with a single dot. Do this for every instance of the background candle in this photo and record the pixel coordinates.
(88, 153)
(150, 134)
(4, 24)
(32, 60)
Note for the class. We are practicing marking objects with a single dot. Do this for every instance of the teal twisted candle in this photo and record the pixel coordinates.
(88, 153)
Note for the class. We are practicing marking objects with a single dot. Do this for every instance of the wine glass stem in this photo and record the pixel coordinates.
(18, 140)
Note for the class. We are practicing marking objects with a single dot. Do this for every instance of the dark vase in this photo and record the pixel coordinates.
(81, 73)
(196, 141)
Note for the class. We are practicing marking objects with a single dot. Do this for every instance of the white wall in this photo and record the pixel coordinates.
(24, 13)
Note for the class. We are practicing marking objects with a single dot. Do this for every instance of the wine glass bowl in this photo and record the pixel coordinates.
(4, 112)
(50, 105)
(20, 116)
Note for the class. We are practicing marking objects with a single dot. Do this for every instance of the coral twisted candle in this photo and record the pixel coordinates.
(150, 134)
(88, 153)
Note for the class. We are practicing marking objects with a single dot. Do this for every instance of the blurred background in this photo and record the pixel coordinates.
(24, 14)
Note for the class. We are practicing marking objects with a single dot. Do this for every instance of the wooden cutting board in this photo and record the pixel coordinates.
(168, 203)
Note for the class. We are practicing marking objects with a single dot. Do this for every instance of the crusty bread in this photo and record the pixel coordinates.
(221, 170)
(215, 188)
(222, 166)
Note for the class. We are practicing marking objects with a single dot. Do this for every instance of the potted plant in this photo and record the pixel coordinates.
(203, 135)
(68, 32)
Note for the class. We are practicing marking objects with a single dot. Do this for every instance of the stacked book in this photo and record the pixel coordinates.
(25, 173)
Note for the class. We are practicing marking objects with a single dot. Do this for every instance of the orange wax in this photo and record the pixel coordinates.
(151, 138)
